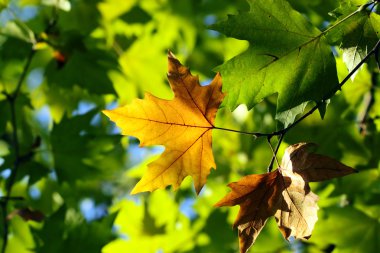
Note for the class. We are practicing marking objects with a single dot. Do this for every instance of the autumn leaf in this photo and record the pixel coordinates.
(27, 214)
(183, 125)
(284, 194)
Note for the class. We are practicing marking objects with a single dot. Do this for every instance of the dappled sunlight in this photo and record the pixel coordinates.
(216, 103)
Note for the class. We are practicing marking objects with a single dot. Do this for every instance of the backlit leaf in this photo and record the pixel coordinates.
(284, 194)
(356, 36)
(182, 125)
(18, 30)
(287, 56)
(347, 224)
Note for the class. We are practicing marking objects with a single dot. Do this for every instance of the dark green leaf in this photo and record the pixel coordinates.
(287, 55)
(288, 117)
(323, 107)
(19, 30)
(78, 151)
(76, 236)
(344, 226)
(89, 70)
(356, 36)
(136, 15)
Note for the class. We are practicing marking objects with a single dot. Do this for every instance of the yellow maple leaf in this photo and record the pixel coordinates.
(183, 125)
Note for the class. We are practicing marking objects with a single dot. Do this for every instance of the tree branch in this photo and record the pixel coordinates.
(369, 101)
(12, 178)
(14, 95)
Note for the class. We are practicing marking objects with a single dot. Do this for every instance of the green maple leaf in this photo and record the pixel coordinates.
(356, 36)
(287, 56)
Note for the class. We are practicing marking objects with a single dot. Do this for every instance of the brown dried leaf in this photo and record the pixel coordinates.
(297, 212)
(258, 197)
(284, 194)
(312, 167)
(27, 214)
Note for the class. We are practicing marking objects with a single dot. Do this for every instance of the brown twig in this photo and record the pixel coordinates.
(369, 101)
(274, 156)
(12, 178)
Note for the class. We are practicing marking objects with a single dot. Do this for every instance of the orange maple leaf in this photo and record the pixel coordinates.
(183, 125)
(284, 194)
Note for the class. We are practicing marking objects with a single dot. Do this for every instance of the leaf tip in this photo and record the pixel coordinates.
(198, 189)
(171, 55)
(134, 191)
(247, 238)
(137, 189)
(174, 66)
(286, 232)
(106, 112)
(220, 203)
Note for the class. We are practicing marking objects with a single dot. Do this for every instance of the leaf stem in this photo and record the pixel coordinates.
(2, 199)
(368, 101)
(348, 16)
(23, 74)
(255, 134)
(274, 157)
(341, 21)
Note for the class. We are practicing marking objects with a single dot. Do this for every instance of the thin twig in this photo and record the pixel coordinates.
(12, 178)
(23, 74)
(237, 131)
(2, 199)
(341, 21)
(274, 157)
(369, 100)
(275, 133)
(377, 58)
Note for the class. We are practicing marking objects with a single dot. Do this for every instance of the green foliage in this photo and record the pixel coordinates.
(356, 35)
(62, 62)
(279, 36)
(74, 235)
(337, 221)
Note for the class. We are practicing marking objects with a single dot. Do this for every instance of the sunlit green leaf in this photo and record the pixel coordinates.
(18, 30)
(87, 70)
(287, 56)
(356, 36)
(344, 229)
